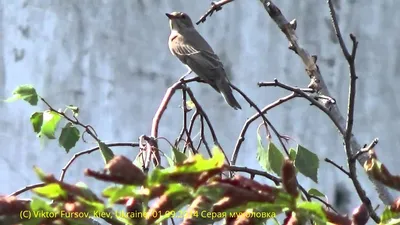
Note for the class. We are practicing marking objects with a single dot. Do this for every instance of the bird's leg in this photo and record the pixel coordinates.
(186, 74)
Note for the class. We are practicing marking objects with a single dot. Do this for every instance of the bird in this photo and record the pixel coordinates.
(193, 50)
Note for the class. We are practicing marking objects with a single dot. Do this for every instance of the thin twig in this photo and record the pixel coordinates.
(276, 180)
(318, 84)
(209, 124)
(299, 91)
(184, 118)
(265, 120)
(365, 150)
(88, 151)
(215, 6)
(324, 202)
(151, 150)
(246, 125)
(337, 166)
(164, 103)
(203, 137)
(157, 117)
(189, 141)
(350, 112)
(27, 188)
(88, 129)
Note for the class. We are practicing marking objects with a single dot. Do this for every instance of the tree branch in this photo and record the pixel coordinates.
(350, 112)
(88, 151)
(27, 188)
(265, 120)
(252, 172)
(318, 84)
(246, 125)
(215, 7)
(209, 124)
(337, 166)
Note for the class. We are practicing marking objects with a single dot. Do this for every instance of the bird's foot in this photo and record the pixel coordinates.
(184, 76)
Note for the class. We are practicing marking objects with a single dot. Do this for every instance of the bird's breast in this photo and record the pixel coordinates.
(171, 40)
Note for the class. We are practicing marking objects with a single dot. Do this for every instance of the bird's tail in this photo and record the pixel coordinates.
(226, 92)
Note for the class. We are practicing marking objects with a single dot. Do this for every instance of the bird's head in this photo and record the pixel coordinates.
(179, 21)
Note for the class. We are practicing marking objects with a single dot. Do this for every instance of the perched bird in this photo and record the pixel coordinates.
(193, 51)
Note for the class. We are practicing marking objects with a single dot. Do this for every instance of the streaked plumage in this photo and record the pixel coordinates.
(192, 50)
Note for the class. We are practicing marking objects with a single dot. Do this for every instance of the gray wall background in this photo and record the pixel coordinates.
(111, 59)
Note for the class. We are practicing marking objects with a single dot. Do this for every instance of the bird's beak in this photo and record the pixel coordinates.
(170, 16)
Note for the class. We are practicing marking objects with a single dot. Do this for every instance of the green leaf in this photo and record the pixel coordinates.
(178, 156)
(169, 160)
(270, 210)
(74, 109)
(37, 121)
(26, 93)
(40, 173)
(51, 191)
(106, 152)
(388, 216)
(198, 165)
(218, 156)
(315, 192)
(292, 154)
(313, 208)
(262, 155)
(92, 205)
(190, 104)
(275, 158)
(214, 194)
(270, 159)
(38, 204)
(85, 192)
(139, 161)
(307, 163)
(69, 136)
(50, 122)
(114, 193)
(178, 196)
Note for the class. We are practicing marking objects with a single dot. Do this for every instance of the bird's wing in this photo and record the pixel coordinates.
(198, 55)
(187, 49)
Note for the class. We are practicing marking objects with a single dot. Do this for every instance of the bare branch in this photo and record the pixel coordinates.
(184, 118)
(203, 137)
(301, 93)
(88, 151)
(209, 124)
(350, 113)
(318, 84)
(276, 180)
(189, 142)
(337, 166)
(157, 117)
(215, 7)
(27, 188)
(88, 129)
(265, 120)
(365, 149)
(246, 125)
